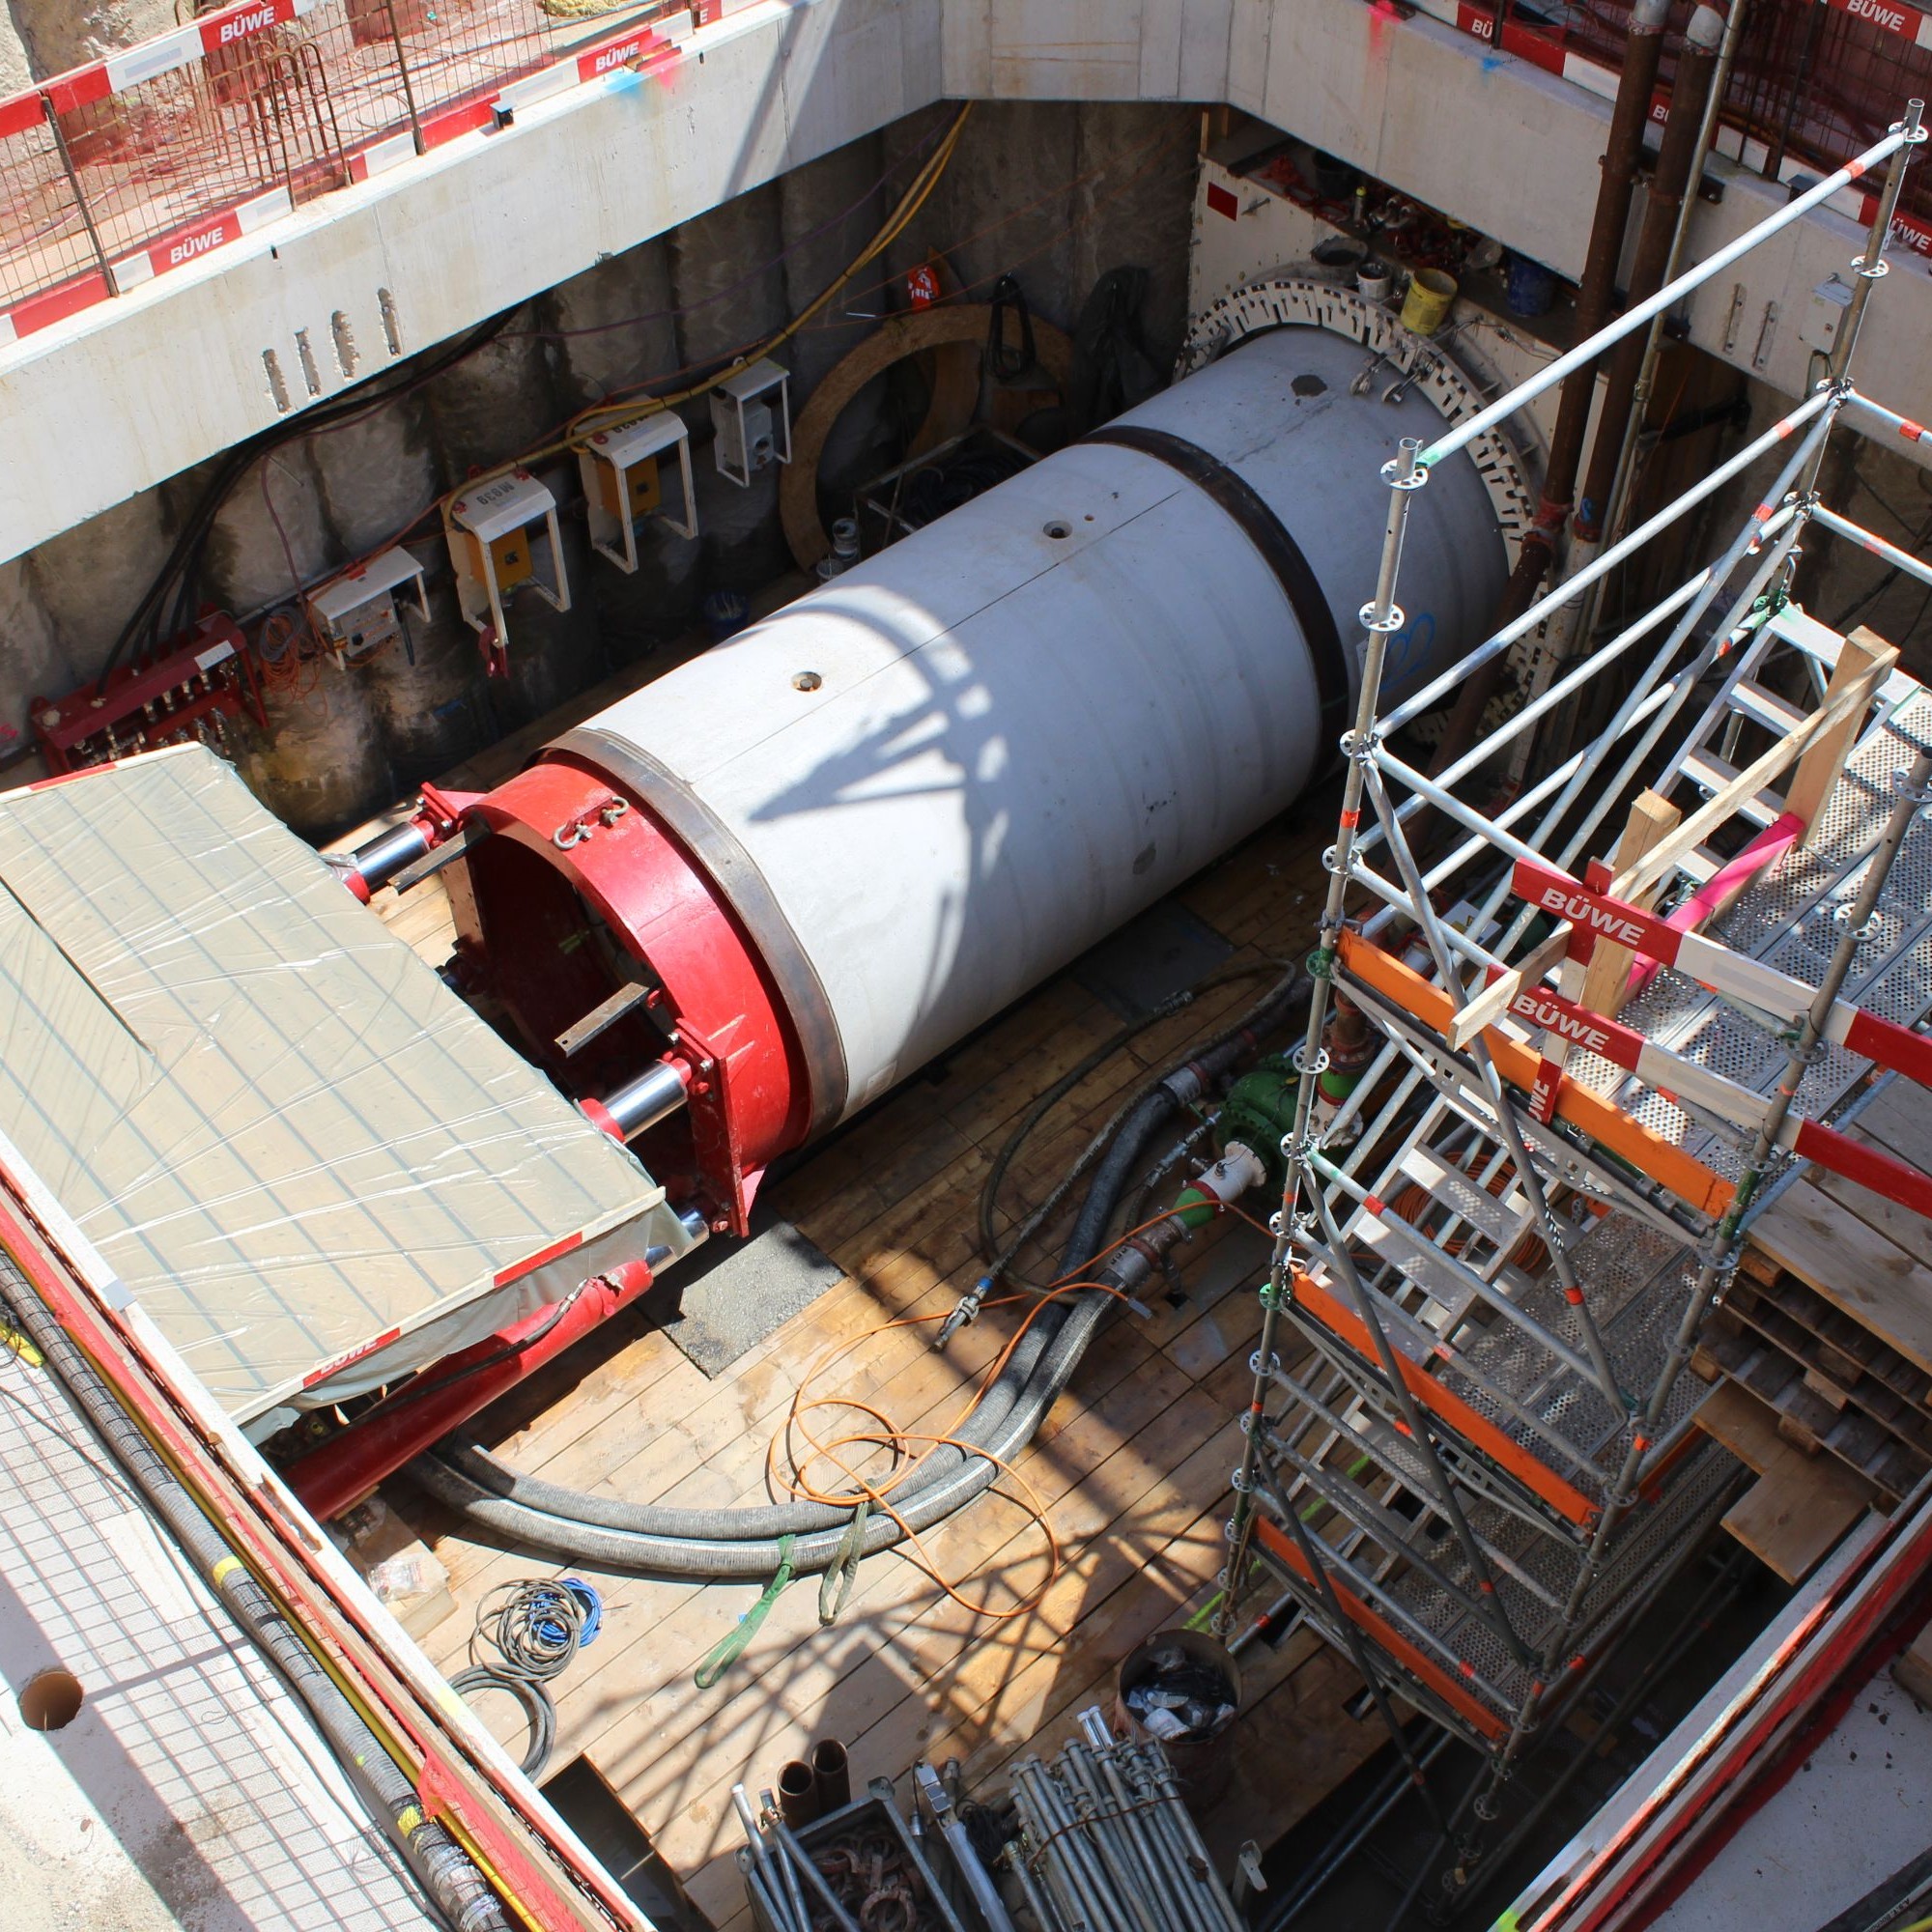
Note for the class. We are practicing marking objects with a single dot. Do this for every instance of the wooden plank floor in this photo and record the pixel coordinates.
(1865, 1253)
(1131, 1466)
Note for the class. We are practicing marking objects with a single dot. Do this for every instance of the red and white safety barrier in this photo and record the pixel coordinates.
(648, 49)
(1547, 52)
(199, 237)
(1594, 916)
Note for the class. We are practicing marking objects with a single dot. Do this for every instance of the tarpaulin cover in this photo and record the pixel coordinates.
(300, 1151)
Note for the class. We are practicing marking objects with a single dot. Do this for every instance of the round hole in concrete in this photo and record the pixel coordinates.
(806, 680)
(50, 1700)
(1056, 528)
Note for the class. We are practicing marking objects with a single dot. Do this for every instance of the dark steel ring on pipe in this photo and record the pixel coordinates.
(830, 1774)
(798, 1794)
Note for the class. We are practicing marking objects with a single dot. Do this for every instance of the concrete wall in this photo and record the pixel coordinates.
(647, 225)
(1047, 191)
(134, 390)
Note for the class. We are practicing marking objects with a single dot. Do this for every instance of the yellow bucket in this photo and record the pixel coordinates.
(1427, 302)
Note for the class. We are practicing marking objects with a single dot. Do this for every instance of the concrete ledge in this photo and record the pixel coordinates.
(130, 391)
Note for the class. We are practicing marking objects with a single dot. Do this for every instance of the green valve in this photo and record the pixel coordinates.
(1260, 1109)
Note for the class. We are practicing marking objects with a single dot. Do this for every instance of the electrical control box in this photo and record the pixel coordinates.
(359, 613)
(182, 693)
(1825, 314)
(622, 469)
(751, 420)
(502, 536)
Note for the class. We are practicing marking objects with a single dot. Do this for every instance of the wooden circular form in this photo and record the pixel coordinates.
(956, 392)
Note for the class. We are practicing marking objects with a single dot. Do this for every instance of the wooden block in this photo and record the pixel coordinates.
(1825, 1389)
(1605, 978)
(1793, 1514)
(1759, 1266)
(1800, 1434)
(1733, 1416)
(1865, 659)
(1705, 1366)
(1912, 1669)
(1880, 1285)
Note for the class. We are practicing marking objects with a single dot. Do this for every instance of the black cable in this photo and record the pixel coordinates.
(181, 569)
(526, 1634)
(448, 1873)
(539, 1710)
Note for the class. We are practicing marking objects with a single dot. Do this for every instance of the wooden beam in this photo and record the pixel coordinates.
(1488, 1006)
(1651, 820)
(1865, 653)
(1847, 705)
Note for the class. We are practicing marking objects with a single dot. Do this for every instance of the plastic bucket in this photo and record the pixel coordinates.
(1427, 302)
(1374, 280)
(1203, 1765)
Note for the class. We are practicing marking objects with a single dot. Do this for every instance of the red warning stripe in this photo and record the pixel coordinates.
(530, 1264)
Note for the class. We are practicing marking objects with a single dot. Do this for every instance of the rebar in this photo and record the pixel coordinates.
(1106, 1843)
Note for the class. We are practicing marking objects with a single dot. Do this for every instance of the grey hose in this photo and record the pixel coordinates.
(452, 1881)
(585, 1526)
(710, 1543)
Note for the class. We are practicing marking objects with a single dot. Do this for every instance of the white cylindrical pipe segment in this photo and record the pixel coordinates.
(923, 787)
(1034, 718)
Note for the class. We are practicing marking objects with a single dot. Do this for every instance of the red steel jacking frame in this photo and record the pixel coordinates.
(1474, 1428)
(348, 1466)
(462, 1776)
(1285, 1551)
(749, 1094)
(439, 816)
(1802, 1674)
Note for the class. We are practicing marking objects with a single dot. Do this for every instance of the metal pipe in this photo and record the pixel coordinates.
(831, 1776)
(642, 1102)
(1438, 688)
(1381, 620)
(1865, 539)
(1056, 1847)
(761, 1854)
(1653, 341)
(386, 854)
(797, 1857)
(1622, 158)
(1382, 1801)
(985, 1895)
(1105, 1769)
(1162, 1774)
(1673, 184)
(1662, 302)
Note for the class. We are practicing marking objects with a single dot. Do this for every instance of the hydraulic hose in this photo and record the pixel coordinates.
(583, 1526)
(445, 1870)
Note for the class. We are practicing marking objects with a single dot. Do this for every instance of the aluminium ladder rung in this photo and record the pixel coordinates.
(1502, 1220)
(1777, 715)
(1711, 775)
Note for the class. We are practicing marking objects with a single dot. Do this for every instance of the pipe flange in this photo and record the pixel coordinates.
(1301, 302)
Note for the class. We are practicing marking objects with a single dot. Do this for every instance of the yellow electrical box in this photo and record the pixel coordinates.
(633, 493)
(509, 558)
(624, 484)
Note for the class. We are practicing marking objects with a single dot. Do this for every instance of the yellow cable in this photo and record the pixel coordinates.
(578, 425)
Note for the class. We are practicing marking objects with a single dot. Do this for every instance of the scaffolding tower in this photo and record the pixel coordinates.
(1591, 1060)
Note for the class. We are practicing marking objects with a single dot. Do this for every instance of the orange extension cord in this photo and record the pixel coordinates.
(864, 1492)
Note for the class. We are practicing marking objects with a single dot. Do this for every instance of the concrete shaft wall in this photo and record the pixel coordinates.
(619, 202)
(1051, 193)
